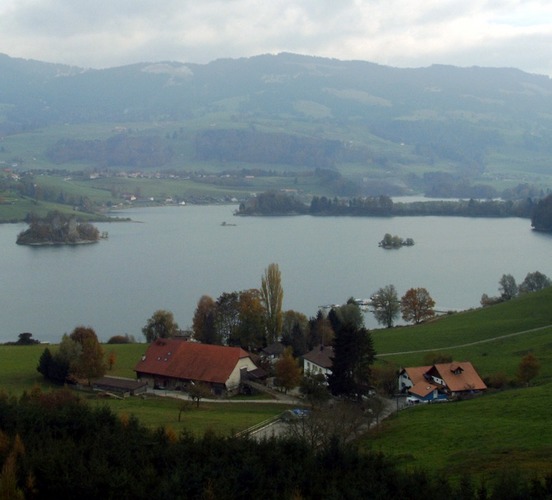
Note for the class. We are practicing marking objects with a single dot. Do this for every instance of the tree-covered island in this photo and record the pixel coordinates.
(280, 203)
(389, 242)
(57, 229)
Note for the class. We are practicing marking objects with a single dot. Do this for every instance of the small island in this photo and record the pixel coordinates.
(58, 229)
(391, 242)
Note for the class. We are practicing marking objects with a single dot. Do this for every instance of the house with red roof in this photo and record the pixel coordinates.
(176, 363)
(440, 381)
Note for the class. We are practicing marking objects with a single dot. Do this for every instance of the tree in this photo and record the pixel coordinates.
(250, 333)
(385, 378)
(541, 219)
(203, 324)
(44, 363)
(534, 282)
(90, 362)
(508, 287)
(121, 339)
(386, 305)
(347, 314)
(227, 319)
(417, 305)
(59, 364)
(354, 354)
(26, 338)
(111, 359)
(272, 296)
(294, 332)
(287, 370)
(338, 423)
(198, 391)
(528, 368)
(320, 331)
(160, 325)
(314, 389)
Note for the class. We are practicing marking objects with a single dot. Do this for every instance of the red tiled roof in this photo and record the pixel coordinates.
(320, 356)
(180, 359)
(422, 389)
(416, 373)
(459, 376)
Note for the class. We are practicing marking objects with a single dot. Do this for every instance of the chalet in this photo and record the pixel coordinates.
(176, 363)
(273, 352)
(440, 381)
(319, 360)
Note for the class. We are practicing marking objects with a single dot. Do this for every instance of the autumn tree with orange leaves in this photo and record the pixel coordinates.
(417, 305)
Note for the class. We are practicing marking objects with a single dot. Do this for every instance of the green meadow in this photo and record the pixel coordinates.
(498, 431)
(494, 338)
(506, 430)
(18, 374)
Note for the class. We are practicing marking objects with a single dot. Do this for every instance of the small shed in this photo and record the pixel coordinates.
(120, 386)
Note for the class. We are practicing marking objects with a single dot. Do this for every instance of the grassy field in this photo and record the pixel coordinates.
(499, 432)
(492, 325)
(18, 374)
(507, 429)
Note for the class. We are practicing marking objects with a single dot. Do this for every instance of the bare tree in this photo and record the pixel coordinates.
(342, 421)
(198, 391)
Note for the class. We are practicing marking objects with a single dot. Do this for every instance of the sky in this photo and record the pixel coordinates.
(401, 33)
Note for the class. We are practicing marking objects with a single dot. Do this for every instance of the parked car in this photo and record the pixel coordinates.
(411, 400)
(294, 414)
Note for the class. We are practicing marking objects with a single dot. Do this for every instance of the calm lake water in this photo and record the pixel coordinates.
(176, 254)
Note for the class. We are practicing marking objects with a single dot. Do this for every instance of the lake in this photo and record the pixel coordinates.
(173, 255)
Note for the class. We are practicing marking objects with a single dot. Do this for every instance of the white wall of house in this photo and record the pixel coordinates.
(404, 381)
(314, 369)
(234, 379)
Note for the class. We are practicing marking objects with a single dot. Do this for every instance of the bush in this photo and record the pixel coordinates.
(498, 380)
(120, 339)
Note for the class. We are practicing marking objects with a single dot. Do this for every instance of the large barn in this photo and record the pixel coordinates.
(175, 364)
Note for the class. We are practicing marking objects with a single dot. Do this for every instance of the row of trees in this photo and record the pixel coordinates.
(416, 305)
(79, 356)
(508, 287)
(541, 219)
(275, 203)
(249, 318)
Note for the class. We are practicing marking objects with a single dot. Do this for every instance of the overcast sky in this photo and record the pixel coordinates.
(404, 33)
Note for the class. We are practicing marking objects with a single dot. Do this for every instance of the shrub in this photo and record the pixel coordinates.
(120, 339)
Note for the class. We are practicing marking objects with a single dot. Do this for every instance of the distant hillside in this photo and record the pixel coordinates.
(393, 127)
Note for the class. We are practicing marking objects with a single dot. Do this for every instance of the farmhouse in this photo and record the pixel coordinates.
(441, 381)
(176, 363)
(273, 352)
(319, 360)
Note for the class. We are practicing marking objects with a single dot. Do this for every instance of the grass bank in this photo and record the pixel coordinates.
(479, 438)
